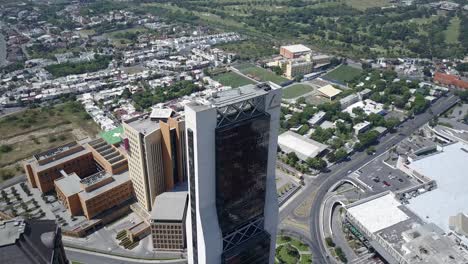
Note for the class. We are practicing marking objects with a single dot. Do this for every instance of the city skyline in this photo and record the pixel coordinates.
(229, 132)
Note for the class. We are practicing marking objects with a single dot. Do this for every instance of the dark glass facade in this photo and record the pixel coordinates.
(175, 172)
(241, 171)
(192, 191)
(254, 251)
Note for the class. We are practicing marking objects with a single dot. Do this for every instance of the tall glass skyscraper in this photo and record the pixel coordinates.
(231, 154)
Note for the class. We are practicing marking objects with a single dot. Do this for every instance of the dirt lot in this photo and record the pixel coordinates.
(35, 130)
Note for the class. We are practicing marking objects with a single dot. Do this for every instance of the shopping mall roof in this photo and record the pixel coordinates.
(449, 169)
(378, 213)
(113, 136)
(303, 147)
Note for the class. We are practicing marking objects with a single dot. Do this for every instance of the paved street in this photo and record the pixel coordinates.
(12, 181)
(357, 160)
(339, 237)
(87, 257)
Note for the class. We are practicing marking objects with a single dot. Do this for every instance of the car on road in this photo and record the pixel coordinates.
(386, 183)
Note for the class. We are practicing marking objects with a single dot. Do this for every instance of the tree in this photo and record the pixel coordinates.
(292, 158)
(337, 143)
(334, 61)
(376, 120)
(304, 129)
(6, 174)
(67, 68)
(340, 154)
(359, 112)
(391, 123)
(462, 67)
(322, 135)
(427, 72)
(298, 78)
(370, 150)
(366, 66)
(366, 139)
(316, 163)
(420, 104)
(277, 70)
(126, 94)
(330, 242)
(331, 157)
(301, 100)
(463, 95)
(5, 148)
(341, 255)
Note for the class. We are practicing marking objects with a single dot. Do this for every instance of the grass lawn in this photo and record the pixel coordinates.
(287, 254)
(364, 4)
(292, 251)
(232, 79)
(282, 239)
(86, 32)
(114, 34)
(453, 31)
(343, 73)
(299, 245)
(35, 130)
(296, 90)
(305, 259)
(260, 74)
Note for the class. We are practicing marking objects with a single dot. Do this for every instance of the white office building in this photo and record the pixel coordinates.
(231, 154)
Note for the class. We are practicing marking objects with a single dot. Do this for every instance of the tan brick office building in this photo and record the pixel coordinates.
(156, 153)
(94, 194)
(89, 176)
(45, 167)
(168, 221)
(294, 51)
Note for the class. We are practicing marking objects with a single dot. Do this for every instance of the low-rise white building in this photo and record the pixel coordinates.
(303, 147)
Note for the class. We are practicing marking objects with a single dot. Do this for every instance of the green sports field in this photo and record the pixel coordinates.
(343, 74)
(260, 74)
(296, 90)
(232, 79)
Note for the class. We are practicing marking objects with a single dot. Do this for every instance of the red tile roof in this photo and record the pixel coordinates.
(450, 80)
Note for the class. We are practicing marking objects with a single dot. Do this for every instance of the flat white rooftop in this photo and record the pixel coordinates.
(450, 171)
(302, 146)
(369, 107)
(297, 48)
(329, 91)
(379, 213)
(161, 113)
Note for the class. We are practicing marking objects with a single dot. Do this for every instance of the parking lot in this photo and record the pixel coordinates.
(380, 177)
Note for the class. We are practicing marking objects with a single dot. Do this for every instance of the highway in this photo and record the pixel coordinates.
(325, 181)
